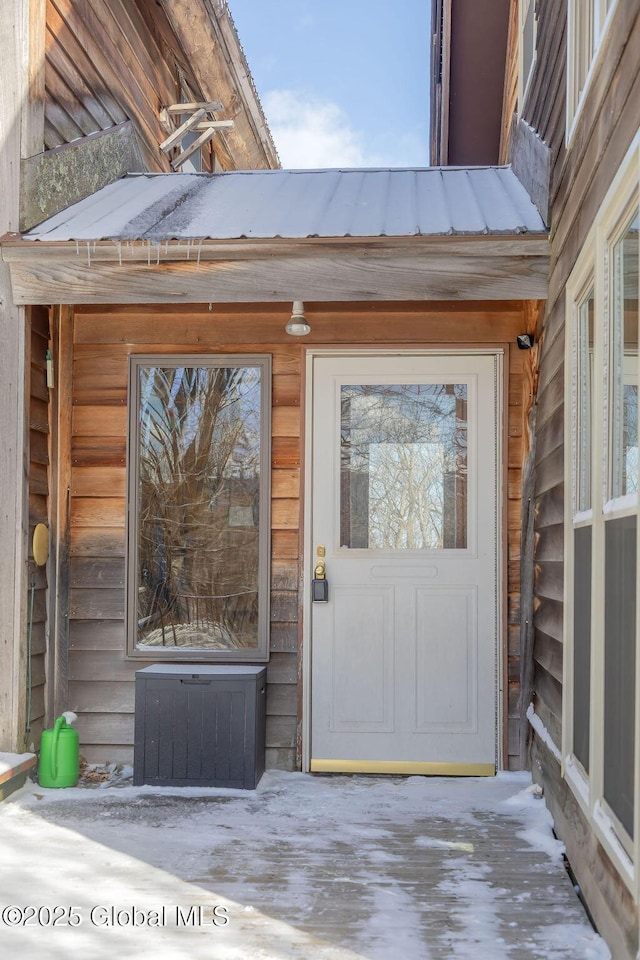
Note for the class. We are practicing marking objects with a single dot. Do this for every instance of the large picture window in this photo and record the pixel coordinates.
(199, 508)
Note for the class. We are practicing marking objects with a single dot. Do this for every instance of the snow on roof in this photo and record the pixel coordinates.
(299, 204)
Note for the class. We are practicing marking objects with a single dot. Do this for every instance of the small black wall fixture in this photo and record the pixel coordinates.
(524, 341)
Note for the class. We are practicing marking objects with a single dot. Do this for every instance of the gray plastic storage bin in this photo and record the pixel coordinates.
(200, 726)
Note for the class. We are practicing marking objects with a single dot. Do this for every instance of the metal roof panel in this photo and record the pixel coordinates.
(298, 204)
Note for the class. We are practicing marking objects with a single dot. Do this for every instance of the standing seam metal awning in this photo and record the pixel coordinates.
(281, 235)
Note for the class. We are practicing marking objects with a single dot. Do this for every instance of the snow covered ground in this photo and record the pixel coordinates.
(311, 868)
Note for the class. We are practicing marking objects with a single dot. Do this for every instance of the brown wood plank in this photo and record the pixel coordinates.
(38, 479)
(37, 705)
(550, 580)
(398, 275)
(97, 696)
(114, 61)
(91, 451)
(39, 415)
(87, 665)
(550, 471)
(93, 573)
(92, 512)
(97, 635)
(39, 345)
(62, 122)
(98, 481)
(98, 542)
(548, 619)
(38, 669)
(515, 453)
(38, 383)
(282, 668)
(283, 638)
(285, 514)
(74, 60)
(551, 722)
(285, 452)
(549, 690)
(105, 728)
(281, 758)
(550, 436)
(38, 447)
(99, 753)
(548, 654)
(104, 604)
(284, 606)
(39, 638)
(284, 575)
(63, 101)
(286, 390)
(281, 731)
(552, 398)
(285, 422)
(282, 700)
(60, 65)
(550, 507)
(550, 543)
(100, 421)
(38, 508)
(285, 484)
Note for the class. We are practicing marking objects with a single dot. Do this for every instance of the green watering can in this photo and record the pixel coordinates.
(59, 756)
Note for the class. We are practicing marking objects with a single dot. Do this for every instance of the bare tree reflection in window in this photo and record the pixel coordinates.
(198, 506)
(404, 466)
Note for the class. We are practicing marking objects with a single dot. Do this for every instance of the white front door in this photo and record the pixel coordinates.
(404, 503)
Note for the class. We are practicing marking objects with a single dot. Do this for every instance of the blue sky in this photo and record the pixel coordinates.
(342, 82)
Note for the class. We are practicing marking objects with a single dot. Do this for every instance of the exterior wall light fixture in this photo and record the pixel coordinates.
(297, 325)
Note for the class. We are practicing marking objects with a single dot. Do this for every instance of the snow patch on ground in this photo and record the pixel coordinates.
(415, 868)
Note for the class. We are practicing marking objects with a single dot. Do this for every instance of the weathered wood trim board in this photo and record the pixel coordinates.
(413, 268)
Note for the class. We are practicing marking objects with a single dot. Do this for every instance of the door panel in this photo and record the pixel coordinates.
(362, 632)
(446, 671)
(403, 662)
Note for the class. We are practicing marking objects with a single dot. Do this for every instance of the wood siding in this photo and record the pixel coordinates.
(101, 687)
(38, 513)
(580, 178)
(581, 174)
(106, 63)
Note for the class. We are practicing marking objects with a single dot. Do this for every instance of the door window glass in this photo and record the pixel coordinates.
(403, 466)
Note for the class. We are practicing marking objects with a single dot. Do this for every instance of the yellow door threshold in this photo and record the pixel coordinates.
(403, 767)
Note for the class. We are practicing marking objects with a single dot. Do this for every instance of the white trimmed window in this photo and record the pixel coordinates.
(586, 22)
(527, 31)
(601, 722)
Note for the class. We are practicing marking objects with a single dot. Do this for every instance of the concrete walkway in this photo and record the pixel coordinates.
(312, 868)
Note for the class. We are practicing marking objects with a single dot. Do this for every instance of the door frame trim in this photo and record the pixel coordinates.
(311, 354)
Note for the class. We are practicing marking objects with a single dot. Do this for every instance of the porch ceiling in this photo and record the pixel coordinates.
(277, 235)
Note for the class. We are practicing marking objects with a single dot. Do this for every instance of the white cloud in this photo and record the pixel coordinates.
(311, 133)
